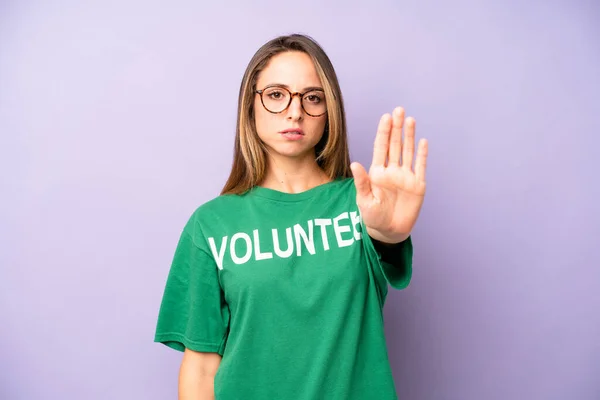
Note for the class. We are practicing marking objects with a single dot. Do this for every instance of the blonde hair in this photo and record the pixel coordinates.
(249, 160)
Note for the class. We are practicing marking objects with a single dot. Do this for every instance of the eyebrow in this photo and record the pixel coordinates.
(306, 89)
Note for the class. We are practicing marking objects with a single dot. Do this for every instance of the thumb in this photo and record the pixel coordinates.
(361, 179)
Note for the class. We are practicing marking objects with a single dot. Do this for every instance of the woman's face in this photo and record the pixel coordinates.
(296, 72)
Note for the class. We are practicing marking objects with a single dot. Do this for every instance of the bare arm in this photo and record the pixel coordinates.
(197, 374)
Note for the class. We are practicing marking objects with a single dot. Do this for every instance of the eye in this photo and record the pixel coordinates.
(275, 94)
(313, 98)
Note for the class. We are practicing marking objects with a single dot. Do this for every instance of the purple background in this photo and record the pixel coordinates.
(117, 120)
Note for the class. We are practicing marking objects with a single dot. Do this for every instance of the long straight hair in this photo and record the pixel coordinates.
(250, 155)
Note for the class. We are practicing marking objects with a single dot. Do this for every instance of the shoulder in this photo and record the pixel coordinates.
(345, 184)
(218, 205)
(213, 211)
(347, 181)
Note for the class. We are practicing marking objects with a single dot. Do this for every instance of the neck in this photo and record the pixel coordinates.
(293, 175)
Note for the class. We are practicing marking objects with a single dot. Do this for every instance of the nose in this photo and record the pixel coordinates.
(294, 111)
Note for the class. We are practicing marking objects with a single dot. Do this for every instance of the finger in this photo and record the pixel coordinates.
(396, 137)
(361, 179)
(382, 139)
(421, 164)
(408, 149)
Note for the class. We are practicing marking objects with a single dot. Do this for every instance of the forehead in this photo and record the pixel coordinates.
(293, 68)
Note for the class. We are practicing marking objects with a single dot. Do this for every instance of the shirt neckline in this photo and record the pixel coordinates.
(292, 197)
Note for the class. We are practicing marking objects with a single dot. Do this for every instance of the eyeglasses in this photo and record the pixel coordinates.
(276, 99)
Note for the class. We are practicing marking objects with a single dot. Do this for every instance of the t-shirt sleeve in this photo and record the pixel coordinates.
(193, 313)
(396, 263)
(396, 266)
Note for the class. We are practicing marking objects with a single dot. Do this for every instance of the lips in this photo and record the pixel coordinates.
(293, 130)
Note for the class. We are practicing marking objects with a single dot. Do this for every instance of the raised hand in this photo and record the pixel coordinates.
(391, 194)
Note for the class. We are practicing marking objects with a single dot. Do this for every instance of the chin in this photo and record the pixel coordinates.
(292, 150)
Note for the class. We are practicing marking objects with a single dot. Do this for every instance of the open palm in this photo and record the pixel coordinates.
(391, 194)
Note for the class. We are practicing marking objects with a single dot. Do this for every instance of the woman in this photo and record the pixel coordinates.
(277, 286)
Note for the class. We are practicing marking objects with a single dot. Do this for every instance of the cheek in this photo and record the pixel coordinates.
(263, 120)
(318, 126)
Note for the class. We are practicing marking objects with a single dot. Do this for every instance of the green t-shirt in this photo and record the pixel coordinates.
(289, 289)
